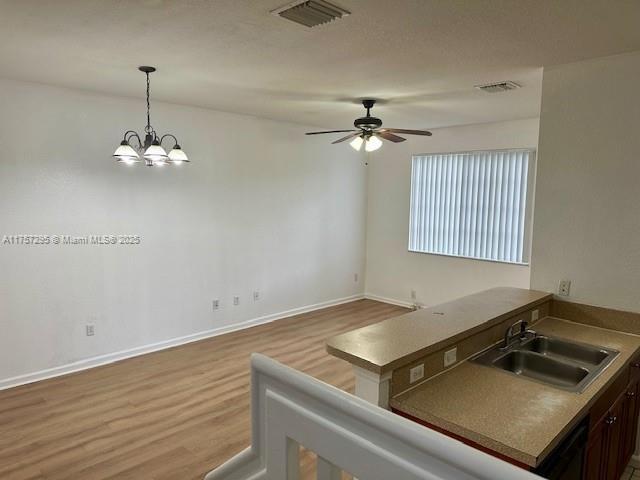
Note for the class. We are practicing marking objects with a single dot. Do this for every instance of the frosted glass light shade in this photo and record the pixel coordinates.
(156, 153)
(126, 154)
(373, 143)
(356, 143)
(177, 155)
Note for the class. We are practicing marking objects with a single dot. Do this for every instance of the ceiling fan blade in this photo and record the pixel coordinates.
(408, 132)
(347, 137)
(390, 136)
(329, 131)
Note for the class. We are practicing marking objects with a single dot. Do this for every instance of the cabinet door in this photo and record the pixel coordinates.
(615, 429)
(596, 454)
(630, 417)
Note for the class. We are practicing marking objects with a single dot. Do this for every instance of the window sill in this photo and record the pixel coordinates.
(517, 264)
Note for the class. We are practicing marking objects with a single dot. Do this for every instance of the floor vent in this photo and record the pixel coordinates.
(498, 87)
(311, 13)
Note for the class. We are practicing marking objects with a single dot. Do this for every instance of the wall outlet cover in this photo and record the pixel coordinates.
(215, 304)
(450, 357)
(90, 330)
(256, 295)
(236, 300)
(535, 315)
(416, 373)
(564, 288)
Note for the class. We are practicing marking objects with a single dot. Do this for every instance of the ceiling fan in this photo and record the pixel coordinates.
(369, 133)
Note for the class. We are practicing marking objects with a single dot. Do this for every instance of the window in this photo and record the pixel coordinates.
(471, 204)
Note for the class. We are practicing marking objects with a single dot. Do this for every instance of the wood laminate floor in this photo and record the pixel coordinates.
(174, 414)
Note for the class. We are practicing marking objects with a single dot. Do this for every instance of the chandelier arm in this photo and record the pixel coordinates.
(132, 134)
(169, 135)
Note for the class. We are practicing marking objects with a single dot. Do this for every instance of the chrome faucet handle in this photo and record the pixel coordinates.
(509, 335)
(522, 323)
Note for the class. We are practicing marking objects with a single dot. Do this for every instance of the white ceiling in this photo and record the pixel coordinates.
(422, 56)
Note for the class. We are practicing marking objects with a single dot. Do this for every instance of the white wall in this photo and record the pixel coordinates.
(393, 271)
(587, 219)
(261, 207)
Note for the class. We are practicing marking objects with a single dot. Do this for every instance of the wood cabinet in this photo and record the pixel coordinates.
(596, 451)
(612, 438)
(630, 422)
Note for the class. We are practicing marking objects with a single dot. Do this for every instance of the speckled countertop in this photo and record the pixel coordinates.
(510, 415)
(390, 344)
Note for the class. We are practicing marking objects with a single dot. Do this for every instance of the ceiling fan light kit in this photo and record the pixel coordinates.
(372, 144)
(153, 153)
(369, 133)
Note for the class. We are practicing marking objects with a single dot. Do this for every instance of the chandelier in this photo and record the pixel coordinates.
(151, 149)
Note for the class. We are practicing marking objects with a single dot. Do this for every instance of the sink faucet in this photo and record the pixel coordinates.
(509, 336)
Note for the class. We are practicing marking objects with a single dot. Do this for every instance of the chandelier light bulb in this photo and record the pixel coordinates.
(177, 156)
(126, 154)
(155, 152)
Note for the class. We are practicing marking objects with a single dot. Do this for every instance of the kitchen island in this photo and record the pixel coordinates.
(509, 416)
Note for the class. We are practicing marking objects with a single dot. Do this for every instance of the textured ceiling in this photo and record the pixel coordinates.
(422, 56)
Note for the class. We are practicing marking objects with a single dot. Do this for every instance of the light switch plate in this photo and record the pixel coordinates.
(450, 357)
(416, 373)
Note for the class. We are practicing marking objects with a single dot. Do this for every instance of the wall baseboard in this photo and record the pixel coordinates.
(392, 301)
(173, 342)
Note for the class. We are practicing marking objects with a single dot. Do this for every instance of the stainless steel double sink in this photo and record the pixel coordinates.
(564, 364)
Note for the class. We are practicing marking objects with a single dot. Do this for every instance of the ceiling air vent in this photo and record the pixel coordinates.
(311, 13)
(498, 87)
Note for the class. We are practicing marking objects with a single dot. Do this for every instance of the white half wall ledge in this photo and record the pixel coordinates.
(108, 358)
(289, 408)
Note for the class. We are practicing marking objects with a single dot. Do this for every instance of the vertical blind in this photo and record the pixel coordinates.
(470, 204)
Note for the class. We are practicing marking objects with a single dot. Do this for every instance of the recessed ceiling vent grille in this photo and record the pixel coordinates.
(498, 87)
(311, 13)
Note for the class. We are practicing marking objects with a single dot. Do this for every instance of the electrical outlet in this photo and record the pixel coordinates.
(450, 357)
(355, 277)
(413, 295)
(90, 330)
(256, 295)
(565, 288)
(535, 315)
(236, 300)
(416, 373)
(215, 305)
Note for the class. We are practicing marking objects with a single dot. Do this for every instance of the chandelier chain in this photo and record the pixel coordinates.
(148, 128)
